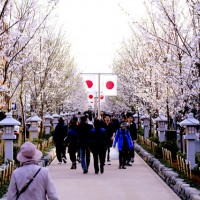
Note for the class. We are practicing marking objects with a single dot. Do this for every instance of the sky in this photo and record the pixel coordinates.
(96, 29)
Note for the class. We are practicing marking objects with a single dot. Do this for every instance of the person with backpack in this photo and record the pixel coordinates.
(125, 144)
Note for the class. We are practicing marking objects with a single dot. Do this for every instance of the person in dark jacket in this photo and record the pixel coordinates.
(115, 121)
(125, 144)
(72, 141)
(84, 131)
(59, 135)
(133, 132)
(110, 132)
(98, 145)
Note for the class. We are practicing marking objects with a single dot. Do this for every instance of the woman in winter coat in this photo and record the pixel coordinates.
(98, 145)
(59, 135)
(41, 188)
(125, 144)
(72, 141)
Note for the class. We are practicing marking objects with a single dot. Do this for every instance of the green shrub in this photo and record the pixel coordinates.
(182, 155)
(155, 139)
(3, 189)
(46, 136)
(171, 146)
(16, 149)
(140, 131)
(158, 152)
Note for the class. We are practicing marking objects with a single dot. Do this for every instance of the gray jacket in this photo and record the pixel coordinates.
(40, 188)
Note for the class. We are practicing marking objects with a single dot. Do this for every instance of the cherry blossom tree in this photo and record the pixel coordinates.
(156, 66)
(19, 22)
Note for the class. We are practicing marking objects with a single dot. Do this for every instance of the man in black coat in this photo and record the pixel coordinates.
(84, 133)
(59, 135)
(133, 132)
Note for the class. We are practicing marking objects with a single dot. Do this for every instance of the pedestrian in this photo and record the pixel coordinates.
(115, 121)
(110, 132)
(125, 144)
(84, 132)
(59, 136)
(89, 120)
(72, 141)
(30, 181)
(131, 126)
(123, 118)
(98, 145)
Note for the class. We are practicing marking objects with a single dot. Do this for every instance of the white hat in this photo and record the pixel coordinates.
(28, 152)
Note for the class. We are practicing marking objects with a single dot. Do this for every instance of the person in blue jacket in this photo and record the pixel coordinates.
(125, 144)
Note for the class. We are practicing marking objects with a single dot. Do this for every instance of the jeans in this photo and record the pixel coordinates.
(85, 157)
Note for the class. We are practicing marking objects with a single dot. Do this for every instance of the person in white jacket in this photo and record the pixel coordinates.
(21, 187)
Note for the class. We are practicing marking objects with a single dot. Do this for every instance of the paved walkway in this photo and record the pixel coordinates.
(138, 182)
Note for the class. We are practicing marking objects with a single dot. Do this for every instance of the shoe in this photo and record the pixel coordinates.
(96, 171)
(85, 171)
(128, 164)
(123, 167)
(73, 166)
(64, 160)
(120, 167)
(78, 159)
(101, 169)
(59, 163)
(108, 162)
(132, 160)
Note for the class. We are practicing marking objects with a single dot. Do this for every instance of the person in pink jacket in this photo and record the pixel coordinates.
(30, 181)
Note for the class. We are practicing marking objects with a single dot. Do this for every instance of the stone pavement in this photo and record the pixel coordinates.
(138, 182)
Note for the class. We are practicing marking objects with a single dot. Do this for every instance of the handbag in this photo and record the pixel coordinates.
(114, 153)
(26, 186)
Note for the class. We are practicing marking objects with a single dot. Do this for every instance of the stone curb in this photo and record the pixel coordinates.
(45, 161)
(171, 178)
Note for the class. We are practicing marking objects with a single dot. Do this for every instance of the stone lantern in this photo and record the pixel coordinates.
(55, 119)
(146, 124)
(33, 130)
(47, 123)
(62, 114)
(136, 119)
(191, 128)
(162, 120)
(9, 122)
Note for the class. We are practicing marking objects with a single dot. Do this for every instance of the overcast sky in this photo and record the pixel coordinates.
(96, 28)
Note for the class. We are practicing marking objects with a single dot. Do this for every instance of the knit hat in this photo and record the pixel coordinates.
(124, 124)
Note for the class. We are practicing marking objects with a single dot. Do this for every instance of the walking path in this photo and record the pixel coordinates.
(138, 182)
